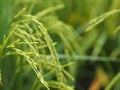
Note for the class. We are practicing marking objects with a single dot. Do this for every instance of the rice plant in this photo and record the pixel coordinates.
(59, 45)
